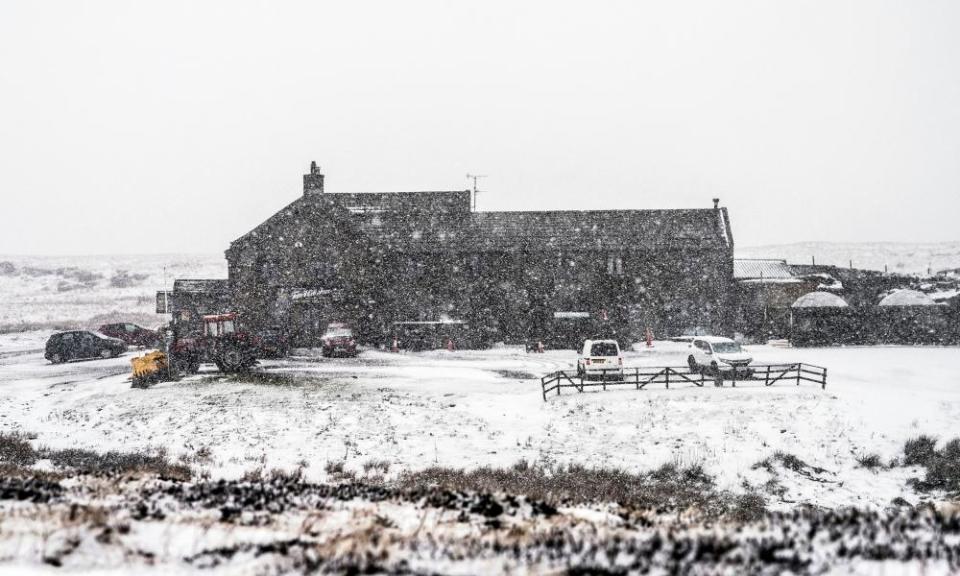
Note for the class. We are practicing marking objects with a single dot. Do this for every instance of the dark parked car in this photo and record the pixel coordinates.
(338, 339)
(131, 334)
(82, 344)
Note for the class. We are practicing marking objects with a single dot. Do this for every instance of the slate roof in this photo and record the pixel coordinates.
(442, 221)
(599, 229)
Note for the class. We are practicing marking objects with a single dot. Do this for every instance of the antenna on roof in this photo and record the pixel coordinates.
(475, 191)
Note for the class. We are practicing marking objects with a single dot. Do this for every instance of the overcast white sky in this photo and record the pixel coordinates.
(178, 126)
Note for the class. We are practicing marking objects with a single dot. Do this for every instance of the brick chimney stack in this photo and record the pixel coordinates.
(313, 182)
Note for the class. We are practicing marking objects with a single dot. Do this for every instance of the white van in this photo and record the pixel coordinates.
(601, 359)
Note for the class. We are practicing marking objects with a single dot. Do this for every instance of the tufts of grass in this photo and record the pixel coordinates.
(749, 507)
(919, 450)
(260, 377)
(789, 462)
(15, 450)
(374, 465)
(943, 469)
(870, 461)
(17, 457)
(114, 463)
(943, 465)
(668, 488)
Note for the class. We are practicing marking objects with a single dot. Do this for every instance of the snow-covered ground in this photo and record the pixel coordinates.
(75, 290)
(476, 408)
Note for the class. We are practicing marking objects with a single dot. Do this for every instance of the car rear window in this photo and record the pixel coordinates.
(339, 333)
(604, 349)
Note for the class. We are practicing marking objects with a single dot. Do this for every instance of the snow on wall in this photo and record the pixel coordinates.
(907, 298)
(820, 300)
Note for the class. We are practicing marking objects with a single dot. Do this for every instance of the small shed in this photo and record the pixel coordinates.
(819, 300)
(907, 298)
(821, 319)
(911, 317)
(764, 290)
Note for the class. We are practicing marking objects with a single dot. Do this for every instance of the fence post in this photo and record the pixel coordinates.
(636, 377)
(543, 389)
(798, 367)
(733, 381)
(667, 373)
(766, 376)
(824, 386)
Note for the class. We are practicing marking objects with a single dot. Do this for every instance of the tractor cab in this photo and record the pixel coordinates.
(217, 325)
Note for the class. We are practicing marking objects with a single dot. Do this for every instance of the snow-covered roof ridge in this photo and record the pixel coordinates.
(906, 297)
(820, 300)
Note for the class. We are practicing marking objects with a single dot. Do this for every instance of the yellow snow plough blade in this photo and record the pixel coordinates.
(149, 368)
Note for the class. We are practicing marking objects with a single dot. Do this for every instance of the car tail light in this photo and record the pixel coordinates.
(587, 362)
(620, 361)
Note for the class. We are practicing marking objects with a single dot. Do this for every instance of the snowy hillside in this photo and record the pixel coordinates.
(904, 258)
(62, 291)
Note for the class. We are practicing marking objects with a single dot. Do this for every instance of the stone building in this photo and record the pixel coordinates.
(372, 259)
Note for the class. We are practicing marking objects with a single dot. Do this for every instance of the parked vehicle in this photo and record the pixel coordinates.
(132, 334)
(715, 354)
(224, 341)
(601, 359)
(416, 335)
(82, 345)
(338, 339)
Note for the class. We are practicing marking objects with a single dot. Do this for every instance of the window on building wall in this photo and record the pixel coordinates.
(615, 266)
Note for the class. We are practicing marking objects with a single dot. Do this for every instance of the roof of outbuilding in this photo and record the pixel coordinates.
(907, 298)
(201, 285)
(820, 300)
(767, 269)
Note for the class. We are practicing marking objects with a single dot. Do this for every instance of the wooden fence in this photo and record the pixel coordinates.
(639, 378)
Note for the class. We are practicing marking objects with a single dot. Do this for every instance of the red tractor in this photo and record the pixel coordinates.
(223, 341)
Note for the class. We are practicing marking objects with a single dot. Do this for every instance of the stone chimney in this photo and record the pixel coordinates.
(716, 201)
(313, 182)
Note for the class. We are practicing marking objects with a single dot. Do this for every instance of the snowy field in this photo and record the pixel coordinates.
(62, 291)
(899, 257)
(477, 408)
(381, 415)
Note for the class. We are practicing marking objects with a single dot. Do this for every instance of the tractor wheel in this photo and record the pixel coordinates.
(231, 360)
